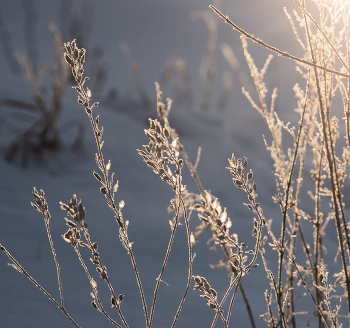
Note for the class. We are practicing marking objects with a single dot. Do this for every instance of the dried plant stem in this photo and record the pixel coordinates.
(279, 52)
(109, 284)
(20, 269)
(94, 288)
(334, 180)
(319, 308)
(305, 12)
(165, 261)
(193, 170)
(234, 280)
(296, 224)
(163, 114)
(111, 204)
(47, 216)
(318, 239)
(190, 263)
(75, 58)
(286, 205)
(233, 299)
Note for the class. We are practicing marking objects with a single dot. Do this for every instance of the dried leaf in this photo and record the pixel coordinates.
(97, 176)
(238, 183)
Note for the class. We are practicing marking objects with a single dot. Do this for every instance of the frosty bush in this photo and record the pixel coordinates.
(325, 69)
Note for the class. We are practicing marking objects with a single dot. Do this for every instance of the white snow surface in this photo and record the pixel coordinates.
(155, 31)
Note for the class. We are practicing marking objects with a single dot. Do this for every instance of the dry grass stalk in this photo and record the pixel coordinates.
(318, 130)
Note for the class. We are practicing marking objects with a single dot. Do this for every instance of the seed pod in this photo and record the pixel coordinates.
(238, 183)
(115, 187)
(250, 175)
(158, 129)
(108, 166)
(71, 223)
(113, 301)
(75, 53)
(97, 176)
(166, 133)
(245, 163)
(68, 59)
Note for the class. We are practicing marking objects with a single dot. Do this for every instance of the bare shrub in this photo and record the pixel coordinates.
(317, 134)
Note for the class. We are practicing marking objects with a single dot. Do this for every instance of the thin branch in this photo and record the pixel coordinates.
(279, 52)
(331, 170)
(20, 269)
(324, 34)
(165, 261)
(42, 207)
(190, 263)
(75, 57)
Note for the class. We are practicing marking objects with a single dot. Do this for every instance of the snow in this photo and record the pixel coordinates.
(155, 30)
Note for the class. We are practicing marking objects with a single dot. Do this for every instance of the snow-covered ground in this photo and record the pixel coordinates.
(155, 31)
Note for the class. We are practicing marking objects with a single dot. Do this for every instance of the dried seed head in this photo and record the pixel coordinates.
(115, 187)
(108, 166)
(166, 133)
(97, 176)
(68, 59)
(245, 163)
(238, 183)
(113, 301)
(71, 223)
(250, 175)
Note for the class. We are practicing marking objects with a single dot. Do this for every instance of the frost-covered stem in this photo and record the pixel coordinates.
(42, 207)
(232, 300)
(94, 288)
(159, 279)
(75, 57)
(331, 170)
(20, 269)
(296, 222)
(279, 52)
(109, 284)
(190, 263)
(324, 34)
(234, 280)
